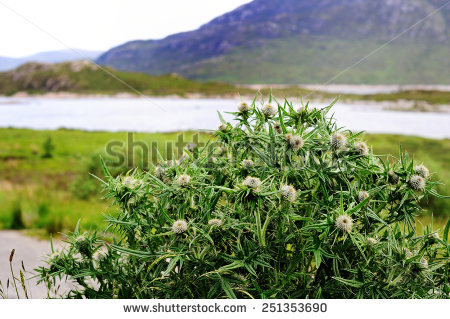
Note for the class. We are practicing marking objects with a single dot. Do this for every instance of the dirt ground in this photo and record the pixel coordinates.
(32, 252)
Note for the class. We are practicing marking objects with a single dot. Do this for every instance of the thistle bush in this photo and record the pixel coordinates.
(284, 204)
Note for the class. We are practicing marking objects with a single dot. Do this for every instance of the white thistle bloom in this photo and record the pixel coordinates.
(344, 223)
(223, 127)
(252, 182)
(277, 127)
(180, 226)
(170, 163)
(244, 107)
(371, 241)
(288, 192)
(183, 180)
(288, 137)
(247, 163)
(422, 171)
(54, 257)
(361, 148)
(301, 109)
(268, 110)
(215, 221)
(338, 141)
(417, 182)
(123, 259)
(159, 172)
(435, 235)
(362, 195)
(423, 263)
(408, 253)
(97, 257)
(191, 147)
(80, 239)
(131, 182)
(296, 142)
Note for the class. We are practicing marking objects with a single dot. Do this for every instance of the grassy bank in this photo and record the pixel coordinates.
(45, 182)
(80, 77)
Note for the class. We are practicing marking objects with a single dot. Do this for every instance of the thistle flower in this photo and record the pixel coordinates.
(212, 159)
(131, 182)
(361, 148)
(277, 127)
(180, 226)
(393, 178)
(301, 109)
(222, 150)
(252, 182)
(247, 163)
(191, 147)
(344, 223)
(268, 110)
(417, 182)
(244, 107)
(408, 253)
(362, 195)
(215, 222)
(170, 163)
(288, 137)
(159, 172)
(423, 263)
(80, 239)
(97, 257)
(183, 180)
(55, 257)
(296, 142)
(422, 171)
(371, 241)
(337, 141)
(223, 127)
(288, 192)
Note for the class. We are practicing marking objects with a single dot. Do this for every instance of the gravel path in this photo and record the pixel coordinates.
(31, 252)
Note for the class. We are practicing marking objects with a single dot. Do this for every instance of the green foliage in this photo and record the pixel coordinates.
(48, 147)
(17, 221)
(282, 205)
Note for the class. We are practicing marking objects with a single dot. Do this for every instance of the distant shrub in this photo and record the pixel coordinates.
(17, 216)
(286, 206)
(47, 148)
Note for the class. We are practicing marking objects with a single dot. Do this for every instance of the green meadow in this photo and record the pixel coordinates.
(46, 186)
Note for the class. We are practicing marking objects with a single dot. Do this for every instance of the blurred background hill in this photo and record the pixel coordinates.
(304, 41)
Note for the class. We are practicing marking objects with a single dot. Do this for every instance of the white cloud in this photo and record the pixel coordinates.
(99, 24)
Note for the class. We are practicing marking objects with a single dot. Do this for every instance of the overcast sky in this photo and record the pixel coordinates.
(99, 24)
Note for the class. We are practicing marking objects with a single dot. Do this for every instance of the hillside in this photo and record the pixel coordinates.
(85, 77)
(303, 41)
(7, 63)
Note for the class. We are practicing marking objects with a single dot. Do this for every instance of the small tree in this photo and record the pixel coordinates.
(281, 205)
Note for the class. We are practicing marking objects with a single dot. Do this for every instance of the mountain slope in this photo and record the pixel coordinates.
(7, 63)
(85, 77)
(300, 41)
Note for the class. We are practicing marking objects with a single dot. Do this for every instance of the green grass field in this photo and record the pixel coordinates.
(54, 193)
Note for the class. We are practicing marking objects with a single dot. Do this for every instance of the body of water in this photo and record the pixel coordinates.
(172, 114)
